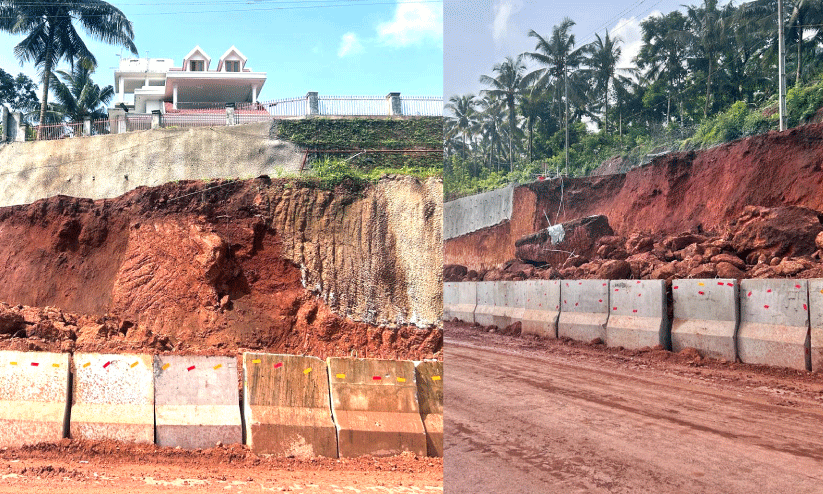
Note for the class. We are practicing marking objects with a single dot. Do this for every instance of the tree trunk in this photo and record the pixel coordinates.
(708, 87)
(799, 45)
(606, 105)
(44, 102)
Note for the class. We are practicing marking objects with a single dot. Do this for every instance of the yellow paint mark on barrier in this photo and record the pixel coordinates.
(256, 361)
(702, 284)
(401, 379)
(341, 376)
(217, 366)
(436, 378)
(307, 371)
(166, 366)
(86, 364)
(55, 365)
(134, 365)
(13, 363)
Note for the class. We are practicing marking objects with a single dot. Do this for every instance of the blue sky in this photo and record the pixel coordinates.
(335, 47)
(480, 33)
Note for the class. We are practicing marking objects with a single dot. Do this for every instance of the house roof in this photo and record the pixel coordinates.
(194, 50)
(231, 50)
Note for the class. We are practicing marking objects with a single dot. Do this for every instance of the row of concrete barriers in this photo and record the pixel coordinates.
(776, 322)
(292, 405)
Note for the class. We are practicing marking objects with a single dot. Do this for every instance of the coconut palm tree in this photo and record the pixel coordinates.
(661, 55)
(464, 118)
(508, 85)
(78, 95)
(603, 54)
(51, 35)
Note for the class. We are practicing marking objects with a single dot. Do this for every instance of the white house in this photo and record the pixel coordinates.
(147, 84)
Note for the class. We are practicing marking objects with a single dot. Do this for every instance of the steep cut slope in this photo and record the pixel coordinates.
(254, 264)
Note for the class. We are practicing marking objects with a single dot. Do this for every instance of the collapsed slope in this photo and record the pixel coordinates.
(697, 191)
(257, 264)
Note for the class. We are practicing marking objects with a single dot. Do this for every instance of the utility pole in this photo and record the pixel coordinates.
(781, 63)
(566, 97)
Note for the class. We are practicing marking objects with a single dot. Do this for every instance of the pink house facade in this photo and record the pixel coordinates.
(145, 85)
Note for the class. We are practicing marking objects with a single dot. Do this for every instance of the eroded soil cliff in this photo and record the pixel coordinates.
(221, 266)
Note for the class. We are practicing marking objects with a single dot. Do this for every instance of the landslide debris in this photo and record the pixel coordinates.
(761, 242)
(270, 265)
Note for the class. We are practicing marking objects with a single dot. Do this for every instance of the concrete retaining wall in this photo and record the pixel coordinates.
(459, 301)
(107, 166)
(774, 323)
(112, 397)
(286, 406)
(638, 316)
(429, 377)
(706, 317)
(816, 323)
(584, 309)
(375, 408)
(34, 397)
(541, 302)
(196, 402)
(473, 213)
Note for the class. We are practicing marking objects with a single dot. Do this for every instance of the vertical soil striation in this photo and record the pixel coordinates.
(227, 265)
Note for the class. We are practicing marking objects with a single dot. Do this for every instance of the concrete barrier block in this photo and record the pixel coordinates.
(34, 397)
(638, 316)
(584, 309)
(112, 397)
(196, 402)
(706, 317)
(541, 302)
(459, 301)
(375, 408)
(816, 322)
(429, 377)
(286, 406)
(774, 323)
(492, 304)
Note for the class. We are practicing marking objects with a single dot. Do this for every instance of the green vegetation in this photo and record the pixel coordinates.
(702, 77)
(339, 146)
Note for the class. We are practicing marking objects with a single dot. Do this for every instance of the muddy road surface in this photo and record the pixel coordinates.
(95, 467)
(524, 416)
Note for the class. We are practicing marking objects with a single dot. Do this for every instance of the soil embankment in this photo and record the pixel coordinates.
(681, 192)
(220, 266)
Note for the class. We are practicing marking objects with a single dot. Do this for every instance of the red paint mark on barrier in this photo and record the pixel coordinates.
(639, 294)
(376, 378)
(278, 365)
(634, 310)
(769, 290)
(35, 364)
(565, 302)
(617, 289)
(765, 306)
(674, 288)
(580, 283)
(750, 294)
(797, 286)
(729, 284)
(567, 284)
(604, 284)
(804, 307)
(701, 293)
(106, 364)
(190, 368)
(601, 300)
(614, 308)
(720, 283)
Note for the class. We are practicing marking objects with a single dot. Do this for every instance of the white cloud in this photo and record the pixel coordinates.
(349, 45)
(631, 33)
(413, 24)
(502, 14)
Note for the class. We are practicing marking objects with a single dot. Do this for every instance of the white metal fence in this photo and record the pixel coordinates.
(310, 105)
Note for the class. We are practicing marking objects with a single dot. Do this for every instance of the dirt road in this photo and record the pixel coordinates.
(525, 416)
(109, 467)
